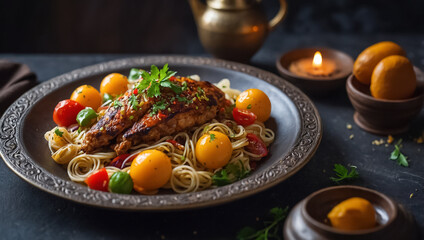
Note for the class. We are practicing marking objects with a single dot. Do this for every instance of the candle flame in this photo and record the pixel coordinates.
(316, 63)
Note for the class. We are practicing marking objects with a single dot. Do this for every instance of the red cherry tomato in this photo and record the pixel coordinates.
(119, 161)
(98, 180)
(256, 145)
(66, 111)
(243, 117)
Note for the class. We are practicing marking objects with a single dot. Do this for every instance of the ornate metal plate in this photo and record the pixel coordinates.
(294, 119)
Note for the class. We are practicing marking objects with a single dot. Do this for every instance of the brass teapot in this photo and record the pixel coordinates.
(233, 29)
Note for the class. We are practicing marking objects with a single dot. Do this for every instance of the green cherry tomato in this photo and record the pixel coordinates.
(86, 117)
(107, 97)
(121, 182)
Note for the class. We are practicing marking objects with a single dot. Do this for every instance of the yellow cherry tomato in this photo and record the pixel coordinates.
(213, 150)
(87, 96)
(114, 84)
(353, 214)
(150, 170)
(255, 101)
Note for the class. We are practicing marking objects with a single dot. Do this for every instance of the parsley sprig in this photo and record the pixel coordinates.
(153, 81)
(272, 230)
(133, 101)
(229, 174)
(398, 155)
(343, 173)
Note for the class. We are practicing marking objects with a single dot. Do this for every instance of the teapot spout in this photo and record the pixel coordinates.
(198, 8)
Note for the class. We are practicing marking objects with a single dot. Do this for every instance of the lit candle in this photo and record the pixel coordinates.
(314, 67)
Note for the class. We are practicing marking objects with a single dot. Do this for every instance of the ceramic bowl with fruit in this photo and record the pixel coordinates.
(385, 89)
(349, 212)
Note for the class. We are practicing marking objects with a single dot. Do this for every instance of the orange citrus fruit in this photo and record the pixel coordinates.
(368, 59)
(393, 79)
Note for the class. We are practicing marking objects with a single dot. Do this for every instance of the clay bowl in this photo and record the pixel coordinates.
(384, 116)
(308, 219)
(317, 86)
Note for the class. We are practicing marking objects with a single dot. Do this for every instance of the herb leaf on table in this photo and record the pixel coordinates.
(397, 155)
(342, 173)
(273, 228)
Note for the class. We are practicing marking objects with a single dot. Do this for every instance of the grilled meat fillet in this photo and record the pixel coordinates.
(117, 119)
(125, 125)
(202, 102)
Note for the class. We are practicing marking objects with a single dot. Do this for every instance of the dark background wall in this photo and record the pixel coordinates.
(166, 26)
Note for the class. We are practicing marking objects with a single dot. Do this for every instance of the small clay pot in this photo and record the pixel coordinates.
(308, 219)
(384, 116)
(317, 86)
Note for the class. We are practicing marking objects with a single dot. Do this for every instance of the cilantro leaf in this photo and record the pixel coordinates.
(154, 89)
(174, 87)
(249, 106)
(398, 156)
(58, 132)
(343, 173)
(221, 178)
(154, 72)
(212, 137)
(133, 101)
(117, 104)
(402, 160)
(184, 86)
(229, 174)
(156, 79)
(272, 229)
(135, 74)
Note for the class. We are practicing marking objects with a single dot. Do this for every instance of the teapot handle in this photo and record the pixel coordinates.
(279, 17)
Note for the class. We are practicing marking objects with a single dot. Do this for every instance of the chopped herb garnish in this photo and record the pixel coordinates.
(184, 86)
(133, 101)
(343, 173)
(117, 104)
(249, 106)
(224, 86)
(183, 158)
(229, 174)
(58, 132)
(200, 94)
(161, 105)
(273, 228)
(212, 137)
(131, 117)
(184, 99)
(398, 155)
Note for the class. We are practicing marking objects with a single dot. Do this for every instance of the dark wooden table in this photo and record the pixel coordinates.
(29, 213)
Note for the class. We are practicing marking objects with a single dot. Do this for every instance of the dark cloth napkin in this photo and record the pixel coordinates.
(15, 79)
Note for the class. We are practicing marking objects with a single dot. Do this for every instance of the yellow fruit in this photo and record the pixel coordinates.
(213, 150)
(114, 84)
(87, 96)
(255, 101)
(353, 214)
(150, 170)
(393, 79)
(368, 59)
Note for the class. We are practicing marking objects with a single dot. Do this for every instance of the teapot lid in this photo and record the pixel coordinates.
(231, 4)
